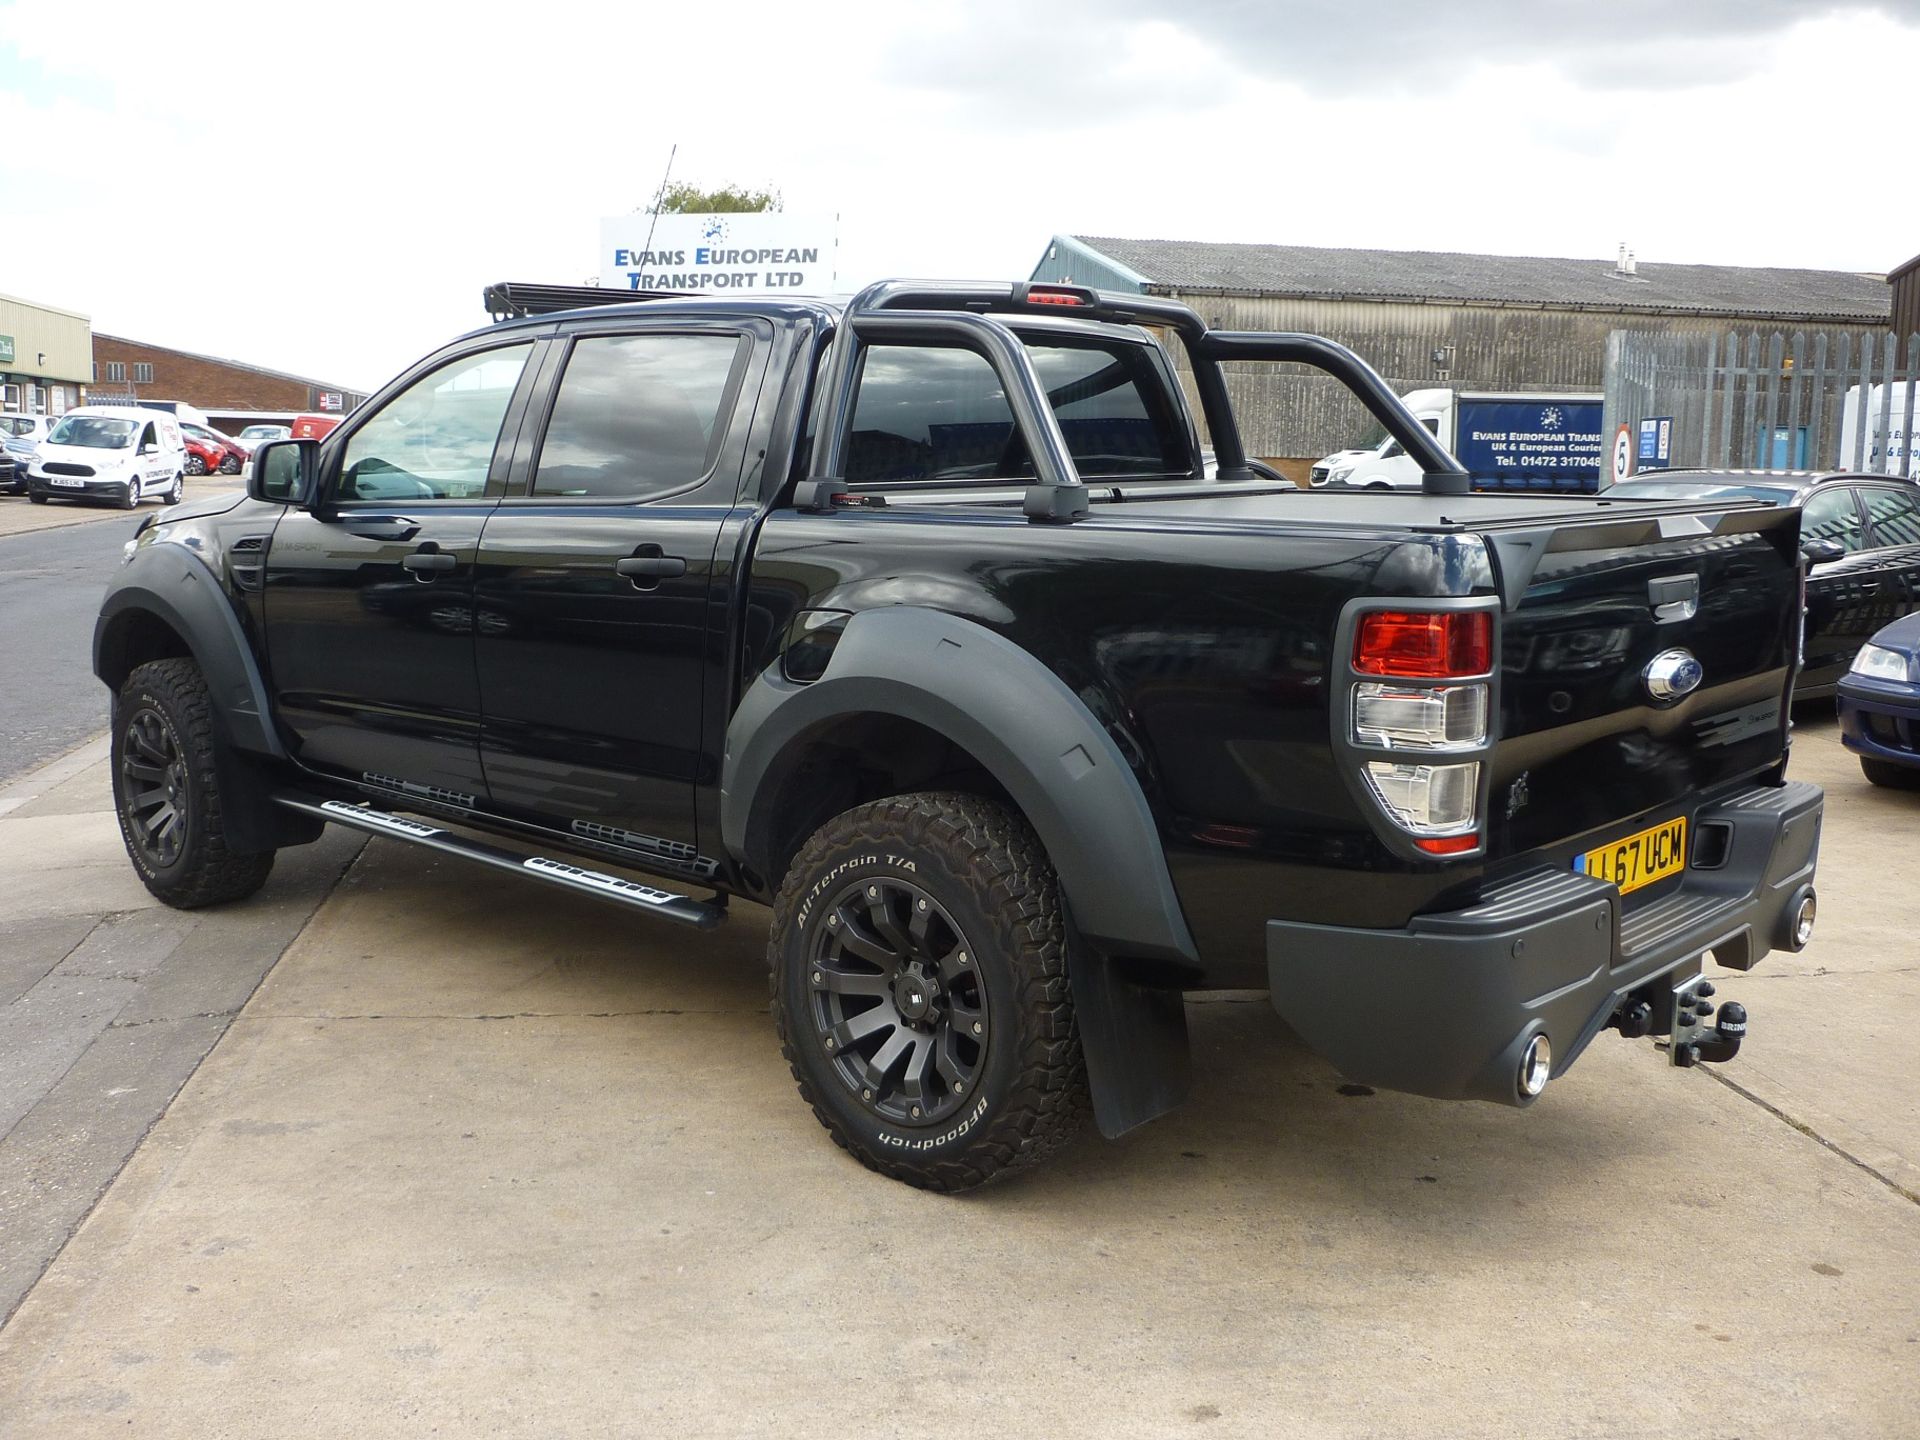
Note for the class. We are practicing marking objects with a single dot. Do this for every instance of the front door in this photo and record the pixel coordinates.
(369, 595)
(596, 583)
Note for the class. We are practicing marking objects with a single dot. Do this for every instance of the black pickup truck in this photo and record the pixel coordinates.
(924, 620)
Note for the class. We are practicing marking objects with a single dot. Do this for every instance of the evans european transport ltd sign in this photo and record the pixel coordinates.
(744, 254)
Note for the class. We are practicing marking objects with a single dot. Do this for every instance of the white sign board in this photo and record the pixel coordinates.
(749, 254)
(1890, 448)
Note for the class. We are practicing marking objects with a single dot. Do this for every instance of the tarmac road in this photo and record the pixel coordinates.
(50, 587)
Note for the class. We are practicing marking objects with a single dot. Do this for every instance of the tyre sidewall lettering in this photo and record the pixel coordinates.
(906, 862)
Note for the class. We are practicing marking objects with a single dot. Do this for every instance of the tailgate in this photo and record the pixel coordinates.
(1588, 747)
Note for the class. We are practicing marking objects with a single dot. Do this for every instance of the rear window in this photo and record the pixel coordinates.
(931, 413)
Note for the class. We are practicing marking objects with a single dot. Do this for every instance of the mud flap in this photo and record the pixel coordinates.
(1135, 1041)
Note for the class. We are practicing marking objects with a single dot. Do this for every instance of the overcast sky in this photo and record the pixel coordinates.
(326, 188)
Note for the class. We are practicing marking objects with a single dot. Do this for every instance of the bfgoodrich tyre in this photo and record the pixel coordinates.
(166, 790)
(919, 959)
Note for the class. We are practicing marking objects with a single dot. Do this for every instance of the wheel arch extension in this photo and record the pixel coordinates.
(167, 604)
(903, 674)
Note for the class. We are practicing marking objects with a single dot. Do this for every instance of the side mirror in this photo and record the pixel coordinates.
(1818, 552)
(149, 449)
(283, 471)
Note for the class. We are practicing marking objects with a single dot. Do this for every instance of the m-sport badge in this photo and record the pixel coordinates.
(1671, 674)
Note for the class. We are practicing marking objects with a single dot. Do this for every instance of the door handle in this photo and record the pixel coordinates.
(650, 567)
(383, 527)
(430, 560)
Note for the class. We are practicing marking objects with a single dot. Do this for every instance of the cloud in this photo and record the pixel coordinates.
(1336, 47)
(337, 187)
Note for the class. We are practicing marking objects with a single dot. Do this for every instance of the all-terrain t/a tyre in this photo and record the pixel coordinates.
(166, 790)
(919, 959)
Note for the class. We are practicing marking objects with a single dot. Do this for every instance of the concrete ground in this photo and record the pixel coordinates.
(19, 515)
(482, 1159)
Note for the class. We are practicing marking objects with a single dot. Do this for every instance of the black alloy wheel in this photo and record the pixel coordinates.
(919, 955)
(230, 464)
(171, 795)
(195, 465)
(153, 774)
(897, 1001)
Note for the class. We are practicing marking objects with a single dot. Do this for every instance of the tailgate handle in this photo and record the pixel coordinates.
(1674, 597)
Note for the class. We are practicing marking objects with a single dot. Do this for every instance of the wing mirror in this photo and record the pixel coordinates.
(1818, 552)
(283, 471)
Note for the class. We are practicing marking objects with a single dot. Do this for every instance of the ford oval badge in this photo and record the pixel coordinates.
(1671, 674)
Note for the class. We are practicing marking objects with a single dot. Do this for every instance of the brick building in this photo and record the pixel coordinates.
(230, 393)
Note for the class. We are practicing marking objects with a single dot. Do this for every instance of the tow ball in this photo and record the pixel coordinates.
(1696, 1032)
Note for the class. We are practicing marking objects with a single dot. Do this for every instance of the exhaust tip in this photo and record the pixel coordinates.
(1801, 914)
(1536, 1066)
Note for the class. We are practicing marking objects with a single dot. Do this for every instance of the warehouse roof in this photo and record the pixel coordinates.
(1316, 272)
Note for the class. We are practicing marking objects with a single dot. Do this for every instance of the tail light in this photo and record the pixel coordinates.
(1449, 653)
(1424, 644)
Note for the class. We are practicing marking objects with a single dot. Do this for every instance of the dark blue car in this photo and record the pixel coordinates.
(1880, 705)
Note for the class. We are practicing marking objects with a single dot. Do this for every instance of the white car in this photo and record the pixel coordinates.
(119, 453)
(254, 436)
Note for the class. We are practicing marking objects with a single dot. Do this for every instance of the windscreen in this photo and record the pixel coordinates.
(940, 413)
(93, 432)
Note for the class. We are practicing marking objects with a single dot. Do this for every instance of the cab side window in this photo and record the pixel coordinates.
(637, 416)
(435, 439)
(147, 437)
(1894, 515)
(1832, 515)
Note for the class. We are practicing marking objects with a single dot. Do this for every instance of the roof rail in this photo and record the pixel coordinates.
(516, 299)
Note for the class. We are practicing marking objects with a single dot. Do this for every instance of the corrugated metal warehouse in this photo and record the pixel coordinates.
(1474, 322)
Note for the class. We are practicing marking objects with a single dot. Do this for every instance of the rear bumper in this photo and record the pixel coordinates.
(1880, 719)
(1446, 1006)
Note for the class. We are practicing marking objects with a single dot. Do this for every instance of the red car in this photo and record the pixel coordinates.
(209, 451)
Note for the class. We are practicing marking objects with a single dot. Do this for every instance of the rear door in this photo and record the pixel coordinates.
(1893, 528)
(597, 580)
(1844, 596)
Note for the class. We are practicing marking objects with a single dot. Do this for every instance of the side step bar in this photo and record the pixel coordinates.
(631, 894)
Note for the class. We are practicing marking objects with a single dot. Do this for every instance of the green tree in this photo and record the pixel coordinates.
(680, 198)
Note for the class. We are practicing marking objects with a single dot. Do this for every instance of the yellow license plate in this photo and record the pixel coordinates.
(1653, 854)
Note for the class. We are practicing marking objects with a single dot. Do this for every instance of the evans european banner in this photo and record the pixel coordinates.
(746, 254)
(1531, 444)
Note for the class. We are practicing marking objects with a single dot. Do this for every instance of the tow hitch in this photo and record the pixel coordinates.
(1693, 1038)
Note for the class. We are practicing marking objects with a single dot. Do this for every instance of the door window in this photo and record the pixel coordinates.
(1832, 515)
(636, 416)
(1894, 515)
(435, 439)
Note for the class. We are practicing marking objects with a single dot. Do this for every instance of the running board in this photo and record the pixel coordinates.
(700, 914)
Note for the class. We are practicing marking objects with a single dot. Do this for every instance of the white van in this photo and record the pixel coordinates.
(122, 453)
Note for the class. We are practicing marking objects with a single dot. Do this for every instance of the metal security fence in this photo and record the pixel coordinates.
(1765, 401)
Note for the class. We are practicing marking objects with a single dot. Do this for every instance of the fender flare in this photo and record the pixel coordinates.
(1045, 748)
(1012, 714)
(176, 586)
